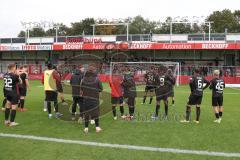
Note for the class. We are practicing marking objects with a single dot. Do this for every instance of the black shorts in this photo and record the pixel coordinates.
(149, 88)
(23, 91)
(59, 88)
(130, 101)
(217, 101)
(12, 98)
(78, 99)
(163, 97)
(51, 96)
(194, 100)
(117, 100)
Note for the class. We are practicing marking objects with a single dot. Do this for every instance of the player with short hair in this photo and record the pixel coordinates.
(129, 92)
(23, 73)
(116, 94)
(150, 88)
(11, 91)
(217, 86)
(75, 82)
(50, 80)
(195, 99)
(163, 83)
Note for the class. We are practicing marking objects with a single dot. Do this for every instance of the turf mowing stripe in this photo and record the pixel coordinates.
(130, 147)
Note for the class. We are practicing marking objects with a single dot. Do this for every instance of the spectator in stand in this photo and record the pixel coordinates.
(221, 73)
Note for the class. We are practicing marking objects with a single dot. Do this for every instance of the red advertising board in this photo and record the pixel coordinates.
(123, 46)
(150, 46)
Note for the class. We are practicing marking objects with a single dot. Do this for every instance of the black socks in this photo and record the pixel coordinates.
(166, 109)
(56, 106)
(198, 111)
(157, 110)
(131, 110)
(49, 107)
(13, 115)
(151, 98)
(21, 103)
(122, 110)
(217, 115)
(114, 111)
(188, 112)
(220, 114)
(97, 122)
(7, 113)
(144, 99)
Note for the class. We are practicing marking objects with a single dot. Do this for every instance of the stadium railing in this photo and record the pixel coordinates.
(176, 38)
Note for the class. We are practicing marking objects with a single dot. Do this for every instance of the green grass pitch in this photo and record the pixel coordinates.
(224, 137)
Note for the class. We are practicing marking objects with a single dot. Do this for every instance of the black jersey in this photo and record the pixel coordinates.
(75, 83)
(149, 78)
(197, 85)
(11, 81)
(217, 85)
(163, 84)
(91, 86)
(173, 81)
(23, 77)
(129, 86)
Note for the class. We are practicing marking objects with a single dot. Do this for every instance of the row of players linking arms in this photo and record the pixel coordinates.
(87, 88)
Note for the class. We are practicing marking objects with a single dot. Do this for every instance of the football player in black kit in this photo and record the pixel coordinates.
(129, 92)
(75, 82)
(195, 99)
(163, 83)
(11, 81)
(23, 87)
(149, 79)
(171, 94)
(217, 85)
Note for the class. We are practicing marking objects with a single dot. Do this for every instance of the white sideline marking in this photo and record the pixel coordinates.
(130, 147)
